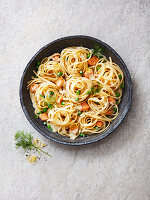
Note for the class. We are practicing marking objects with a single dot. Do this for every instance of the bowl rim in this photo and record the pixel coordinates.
(101, 136)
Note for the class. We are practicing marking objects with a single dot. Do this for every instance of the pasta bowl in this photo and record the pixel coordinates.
(57, 46)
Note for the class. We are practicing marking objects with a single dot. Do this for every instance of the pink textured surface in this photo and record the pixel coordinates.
(116, 168)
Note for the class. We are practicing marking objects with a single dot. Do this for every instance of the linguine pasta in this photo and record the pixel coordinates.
(76, 92)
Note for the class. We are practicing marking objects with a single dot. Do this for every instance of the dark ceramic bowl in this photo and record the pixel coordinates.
(57, 46)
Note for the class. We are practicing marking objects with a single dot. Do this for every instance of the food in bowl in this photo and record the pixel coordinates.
(77, 92)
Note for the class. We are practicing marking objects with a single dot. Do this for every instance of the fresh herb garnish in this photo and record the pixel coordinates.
(117, 102)
(122, 86)
(96, 89)
(104, 61)
(93, 88)
(89, 92)
(42, 96)
(117, 94)
(52, 98)
(115, 109)
(100, 56)
(45, 103)
(97, 51)
(25, 140)
(37, 65)
(50, 105)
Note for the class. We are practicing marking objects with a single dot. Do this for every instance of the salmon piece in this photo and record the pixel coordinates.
(111, 100)
(99, 124)
(74, 129)
(56, 58)
(109, 112)
(89, 74)
(93, 60)
(43, 116)
(84, 106)
(60, 82)
(33, 88)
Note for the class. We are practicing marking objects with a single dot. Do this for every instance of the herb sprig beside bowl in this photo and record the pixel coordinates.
(25, 141)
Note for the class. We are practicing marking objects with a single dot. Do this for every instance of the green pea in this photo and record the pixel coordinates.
(59, 74)
(98, 68)
(104, 61)
(63, 103)
(115, 109)
(36, 116)
(117, 94)
(78, 92)
(122, 85)
(49, 127)
(97, 128)
(76, 99)
(81, 73)
(44, 110)
(88, 55)
(50, 105)
(51, 93)
(120, 76)
(82, 135)
(79, 112)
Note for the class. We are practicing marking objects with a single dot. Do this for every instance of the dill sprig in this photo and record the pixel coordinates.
(97, 51)
(25, 140)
